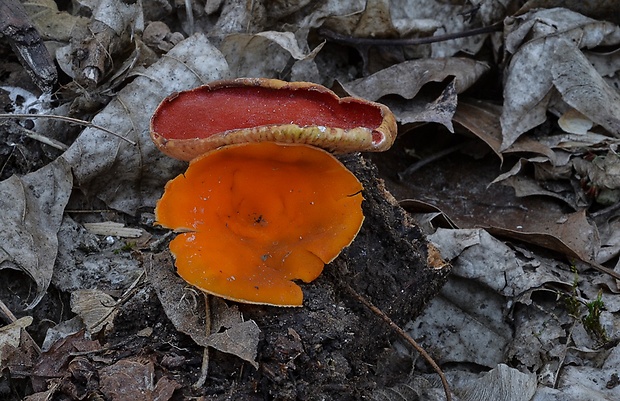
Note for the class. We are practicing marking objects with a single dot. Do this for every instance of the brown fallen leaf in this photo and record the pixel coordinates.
(458, 186)
(572, 235)
(96, 308)
(133, 379)
(53, 24)
(55, 362)
(481, 119)
(18, 351)
(239, 337)
(182, 304)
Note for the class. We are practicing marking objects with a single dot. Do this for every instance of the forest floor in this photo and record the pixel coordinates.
(492, 225)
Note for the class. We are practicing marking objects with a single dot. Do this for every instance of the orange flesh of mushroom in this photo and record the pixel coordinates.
(303, 108)
(255, 216)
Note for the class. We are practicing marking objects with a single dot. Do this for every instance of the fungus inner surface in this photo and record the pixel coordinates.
(202, 112)
(258, 215)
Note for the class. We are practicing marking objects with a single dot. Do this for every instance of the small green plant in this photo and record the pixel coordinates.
(127, 247)
(574, 306)
(592, 321)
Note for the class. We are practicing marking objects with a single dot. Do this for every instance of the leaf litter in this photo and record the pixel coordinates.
(522, 304)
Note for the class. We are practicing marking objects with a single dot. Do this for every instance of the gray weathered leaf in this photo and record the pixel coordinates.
(530, 78)
(127, 177)
(32, 208)
(582, 87)
(407, 78)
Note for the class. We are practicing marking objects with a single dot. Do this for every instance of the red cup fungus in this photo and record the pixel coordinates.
(189, 124)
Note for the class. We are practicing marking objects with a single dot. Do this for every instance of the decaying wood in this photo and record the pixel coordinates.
(27, 44)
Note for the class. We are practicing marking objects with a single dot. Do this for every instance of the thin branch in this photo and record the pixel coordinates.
(404, 335)
(6, 312)
(10, 317)
(403, 175)
(71, 120)
(204, 369)
(350, 40)
(43, 139)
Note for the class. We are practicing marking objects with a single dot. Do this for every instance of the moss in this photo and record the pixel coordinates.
(592, 321)
(574, 305)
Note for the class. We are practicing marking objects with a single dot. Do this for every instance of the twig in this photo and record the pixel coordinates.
(124, 297)
(204, 369)
(339, 38)
(404, 335)
(403, 175)
(43, 139)
(26, 42)
(71, 120)
(602, 269)
(10, 317)
(605, 211)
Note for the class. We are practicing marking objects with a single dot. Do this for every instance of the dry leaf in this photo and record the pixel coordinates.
(239, 338)
(407, 79)
(481, 119)
(185, 309)
(96, 308)
(501, 383)
(33, 206)
(572, 235)
(130, 379)
(51, 23)
(382, 18)
(583, 88)
(182, 304)
(421, 109)
(54, 362)
(468, 319)
(10, 338)
(127, 177)
(530, 76)
(246, 54)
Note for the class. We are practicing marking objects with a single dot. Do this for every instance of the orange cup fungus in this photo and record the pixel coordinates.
(261, 204)
(189, 124)
(253, 219)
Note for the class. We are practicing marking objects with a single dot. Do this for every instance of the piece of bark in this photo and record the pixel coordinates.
(27, 44)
